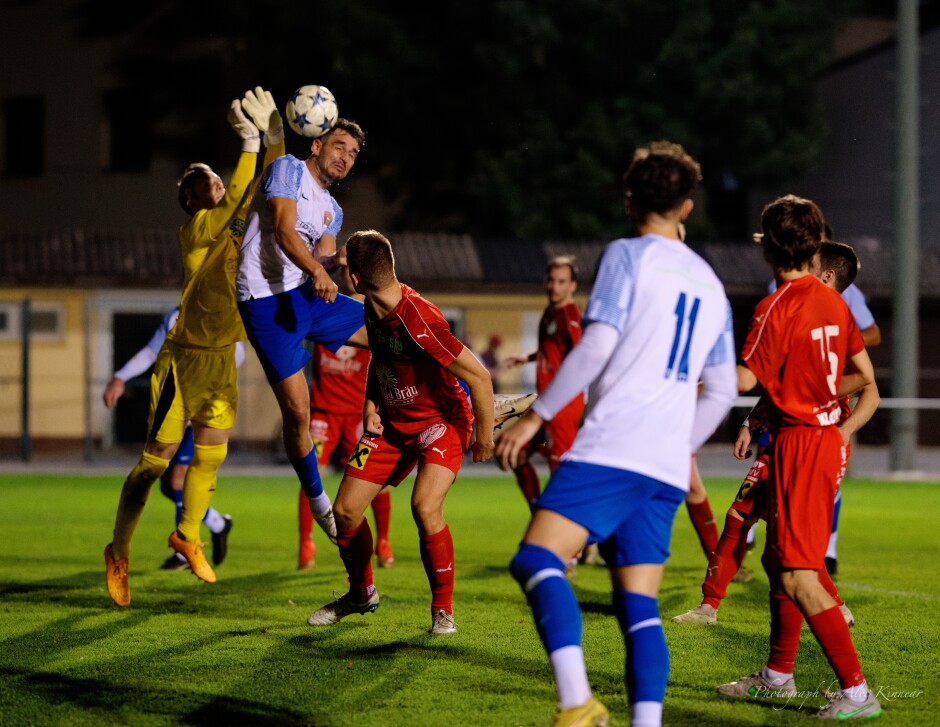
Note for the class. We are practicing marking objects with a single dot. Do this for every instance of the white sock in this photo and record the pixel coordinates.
(570, 676)
(319, 504)
(831, 548)
(646, 714)
(857, 693)
(775, 678)
(214, 521)
(750, 534)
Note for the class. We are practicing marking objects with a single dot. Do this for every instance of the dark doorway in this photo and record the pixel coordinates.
(132, 331)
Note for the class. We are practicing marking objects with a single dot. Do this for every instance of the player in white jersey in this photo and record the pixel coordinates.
(285, 293)
(658, 322)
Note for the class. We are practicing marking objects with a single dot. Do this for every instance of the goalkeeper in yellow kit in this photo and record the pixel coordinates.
(194, 379)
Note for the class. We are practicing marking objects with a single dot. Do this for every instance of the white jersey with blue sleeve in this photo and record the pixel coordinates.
(673, 319)
(263, 267)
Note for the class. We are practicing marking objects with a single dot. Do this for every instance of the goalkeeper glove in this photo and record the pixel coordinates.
(251, 139)
(261, 107)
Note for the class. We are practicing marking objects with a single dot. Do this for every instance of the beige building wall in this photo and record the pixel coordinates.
(70, 369)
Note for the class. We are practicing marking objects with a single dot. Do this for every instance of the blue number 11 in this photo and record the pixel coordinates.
(682, 372)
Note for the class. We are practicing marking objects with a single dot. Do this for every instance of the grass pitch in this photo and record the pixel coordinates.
(240, 652)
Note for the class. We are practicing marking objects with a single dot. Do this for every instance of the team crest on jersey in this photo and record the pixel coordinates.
(344, 353)
(551, 328)
(327, 218)
(395, 344)
(237, 228)
(430, 435)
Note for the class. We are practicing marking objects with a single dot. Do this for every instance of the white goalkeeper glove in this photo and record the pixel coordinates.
(259, 104)
(251, 138)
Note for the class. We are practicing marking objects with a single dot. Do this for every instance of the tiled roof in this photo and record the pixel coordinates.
(150, 259)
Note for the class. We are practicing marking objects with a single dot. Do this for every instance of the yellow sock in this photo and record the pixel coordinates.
(198, 488)
(133, 498)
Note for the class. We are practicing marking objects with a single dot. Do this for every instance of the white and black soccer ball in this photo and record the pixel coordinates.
(312, 111)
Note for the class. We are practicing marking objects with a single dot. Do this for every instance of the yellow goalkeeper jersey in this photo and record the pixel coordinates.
(209, 243)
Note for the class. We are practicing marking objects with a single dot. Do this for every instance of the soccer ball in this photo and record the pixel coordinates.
(311, 111)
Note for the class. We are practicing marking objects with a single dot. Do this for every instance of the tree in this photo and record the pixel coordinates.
(513, 118)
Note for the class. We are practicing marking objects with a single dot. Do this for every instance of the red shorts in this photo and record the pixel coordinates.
(808, 466)
(557, 435)
(388, 459)
(751, 500)
(331, 431)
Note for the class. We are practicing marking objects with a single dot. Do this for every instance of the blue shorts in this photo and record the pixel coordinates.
(278, 324)
(630, 513)
(186, 450)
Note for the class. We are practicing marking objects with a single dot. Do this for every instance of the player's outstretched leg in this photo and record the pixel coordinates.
(309, 475)
(134, 494)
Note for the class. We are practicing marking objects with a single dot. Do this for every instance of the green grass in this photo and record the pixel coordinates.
(240, 652)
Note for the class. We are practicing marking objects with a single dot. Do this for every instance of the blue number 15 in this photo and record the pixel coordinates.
(682, 370)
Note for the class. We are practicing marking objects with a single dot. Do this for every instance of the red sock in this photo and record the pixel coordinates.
(355, 548)
(382, 510)
(304, 517)
(724, 562)
(437, 554)
(528, 480)
(830, 587)
(786, 620)
(833, 635)
(704, 523)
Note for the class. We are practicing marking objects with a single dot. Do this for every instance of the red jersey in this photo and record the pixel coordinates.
(411, 347)
(800, 338)
(559, 332)
(338, 384)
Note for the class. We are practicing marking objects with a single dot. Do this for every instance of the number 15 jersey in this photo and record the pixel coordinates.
(799, 340)
(674, 319)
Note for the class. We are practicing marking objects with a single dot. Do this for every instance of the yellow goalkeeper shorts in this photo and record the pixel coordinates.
(192, 384)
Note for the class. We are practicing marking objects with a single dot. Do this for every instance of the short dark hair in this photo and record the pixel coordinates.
(369, 256)
(660, 178)
(351, 128)
(842, 260)
(193, 174)
(792, 230)
(563, 261)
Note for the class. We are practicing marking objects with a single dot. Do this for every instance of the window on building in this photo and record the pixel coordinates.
(129, 137)
(24, 120)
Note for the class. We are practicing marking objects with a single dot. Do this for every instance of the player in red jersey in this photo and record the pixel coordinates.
(802, 338)
(416, 413)
(337, 393)
(838, 267)
(559, 332)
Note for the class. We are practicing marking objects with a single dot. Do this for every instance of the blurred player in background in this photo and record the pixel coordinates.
(559, 333)
(171, 482)
(286, 294)
(838, 266)
(416, 414)
(658, 322)
(801, 340)
(195, 380)
(337, 395)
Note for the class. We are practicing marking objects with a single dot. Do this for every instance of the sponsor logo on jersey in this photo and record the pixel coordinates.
(360, 456)
(318, 445)
(237, 228)
(392, 394)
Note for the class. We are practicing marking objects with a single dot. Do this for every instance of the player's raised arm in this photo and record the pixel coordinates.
(259, 105)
